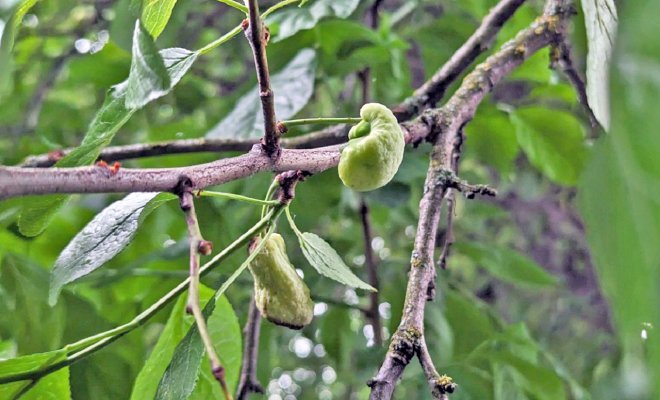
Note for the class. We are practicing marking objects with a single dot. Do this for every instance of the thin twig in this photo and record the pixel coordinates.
(447, 126)
(199, 246)
(258, 37)
(434, 89)
(440, 385)
(36, 102)
(248, 382)
(325, 137)
(372, 271)
(562, 57)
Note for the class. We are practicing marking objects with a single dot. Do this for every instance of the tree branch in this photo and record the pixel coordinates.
(199, 246)
(434, 89)
(447, 134)
(17, 181)
(248, 382)
(440, 385)
(372, 270)
(258, 37)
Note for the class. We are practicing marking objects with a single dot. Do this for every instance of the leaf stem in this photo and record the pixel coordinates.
(277, 7)
(222, 39)
(269, 195)
(238, 197)
(292, 223)
(236, 5)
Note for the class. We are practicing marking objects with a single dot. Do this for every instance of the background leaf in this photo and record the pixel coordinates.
(289, 21)
(600, 19)
(182, 375)
(619, 200)
(103, 238)
(506, 264)
(552, 140)
(292, 85)
(7, 38)
(54, 386)
(176, 327)
(156, 14)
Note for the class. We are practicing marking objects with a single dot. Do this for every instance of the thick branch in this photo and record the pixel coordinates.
(17, 181)
(434, 89)
(258, 37)
(448, 138)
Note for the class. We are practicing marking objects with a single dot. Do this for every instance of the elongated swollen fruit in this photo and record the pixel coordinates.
(280, 294)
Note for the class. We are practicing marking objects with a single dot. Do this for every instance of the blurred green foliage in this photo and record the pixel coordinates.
(523, 309)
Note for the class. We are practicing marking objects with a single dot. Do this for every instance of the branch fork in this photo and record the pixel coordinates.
(448, 180)
(258, 35)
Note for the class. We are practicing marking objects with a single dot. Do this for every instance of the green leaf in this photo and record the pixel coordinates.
(327, 262)
(24, 286)
(553, 141)
(600, 19)
(337, 337)
(39, 211)
(148, 79)
(181, 377)
(493, 138)
(292, 87)
(538, 381)
(508, 265)
(177, 325)
(103, 238)
(474, 383)
(469, 322)
(294, 19)
(54, 386)
(8, 36)
(156, 14)
(618, 198)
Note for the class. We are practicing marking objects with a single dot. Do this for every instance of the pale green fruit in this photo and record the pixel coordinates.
(374, 151)
(280, 294)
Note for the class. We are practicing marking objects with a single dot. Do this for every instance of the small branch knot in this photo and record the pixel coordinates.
(219, 373)
(205, 247)
(281, 128)
(444, 385)
(288, 181)
(183, 189)
(405, 344)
